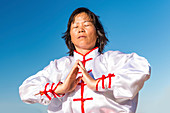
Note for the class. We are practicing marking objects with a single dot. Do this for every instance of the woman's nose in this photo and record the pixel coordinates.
(81, 30)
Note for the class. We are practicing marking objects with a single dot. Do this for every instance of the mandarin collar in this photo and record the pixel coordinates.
(91, 54)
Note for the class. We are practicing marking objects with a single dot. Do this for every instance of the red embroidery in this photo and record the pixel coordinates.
(103, 78)
(87, 52)
(45, 92)
(84, 60)
(109, 76)
(97, 85)
(82, 99)
(51, 91)
(56, 93)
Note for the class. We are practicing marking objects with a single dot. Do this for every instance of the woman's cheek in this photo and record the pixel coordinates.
(74, 32)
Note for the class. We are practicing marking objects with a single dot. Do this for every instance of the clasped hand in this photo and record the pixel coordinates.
(71, 81)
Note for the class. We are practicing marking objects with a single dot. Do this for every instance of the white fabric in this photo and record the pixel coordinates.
(131, 71)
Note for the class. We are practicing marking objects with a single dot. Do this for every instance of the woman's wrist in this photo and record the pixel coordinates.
(60, 90)
(92, 84)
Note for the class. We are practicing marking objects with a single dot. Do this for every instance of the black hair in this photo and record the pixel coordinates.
(101, 40)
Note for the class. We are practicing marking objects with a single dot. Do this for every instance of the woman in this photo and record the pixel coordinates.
(88, 81)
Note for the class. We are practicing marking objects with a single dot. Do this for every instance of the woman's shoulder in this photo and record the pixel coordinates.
(61, 62)
(118, 55)
(112, 54)
(64, 59)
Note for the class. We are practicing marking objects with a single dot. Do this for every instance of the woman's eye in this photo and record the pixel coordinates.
(75, 26)
(86, 25)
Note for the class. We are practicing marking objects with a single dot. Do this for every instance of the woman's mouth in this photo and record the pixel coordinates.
(82, 37)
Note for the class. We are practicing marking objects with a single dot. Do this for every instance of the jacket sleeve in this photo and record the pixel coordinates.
(41, 81)
(126, 74)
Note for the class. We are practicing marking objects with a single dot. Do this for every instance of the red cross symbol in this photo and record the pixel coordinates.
(82, 99)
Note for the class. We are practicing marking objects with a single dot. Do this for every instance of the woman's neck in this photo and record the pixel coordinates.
(82, 51)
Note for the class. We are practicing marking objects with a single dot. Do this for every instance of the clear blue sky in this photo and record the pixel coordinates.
(30, 37)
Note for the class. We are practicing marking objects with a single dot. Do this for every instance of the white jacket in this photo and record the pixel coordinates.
(121, 77)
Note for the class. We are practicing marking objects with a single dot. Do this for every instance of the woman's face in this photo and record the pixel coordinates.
(83, 32)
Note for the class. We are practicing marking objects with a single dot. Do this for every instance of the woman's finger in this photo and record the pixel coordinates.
(74, 71)
(81, 64)
(75, 68)
(81, 69)
(78, 80)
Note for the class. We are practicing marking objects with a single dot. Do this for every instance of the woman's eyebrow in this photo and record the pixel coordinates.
(83, 22)
(88, 21)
